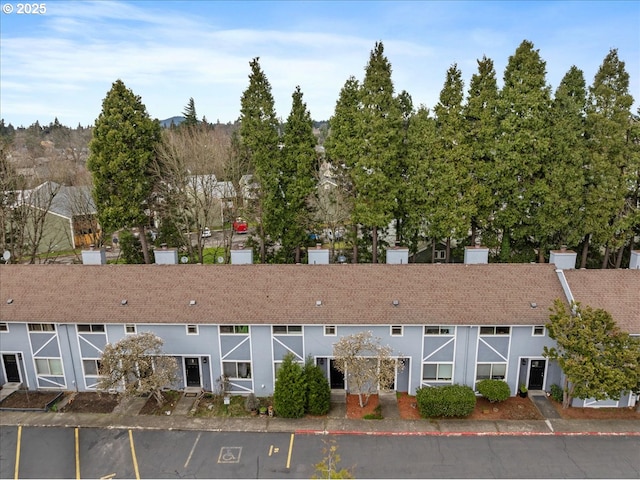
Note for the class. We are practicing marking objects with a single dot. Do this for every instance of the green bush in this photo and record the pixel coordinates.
(446, 401)
(494, 390)
(318, 389)
(290, 392)
(556, 393)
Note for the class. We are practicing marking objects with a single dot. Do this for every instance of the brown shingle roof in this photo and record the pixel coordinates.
(286, 294)
(616, 291)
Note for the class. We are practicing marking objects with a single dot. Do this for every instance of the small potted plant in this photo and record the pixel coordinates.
(522, 391)
(263, 411)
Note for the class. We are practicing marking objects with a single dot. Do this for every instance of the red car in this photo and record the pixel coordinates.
(240, 225)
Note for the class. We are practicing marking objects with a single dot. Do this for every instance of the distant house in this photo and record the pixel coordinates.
(71, 220)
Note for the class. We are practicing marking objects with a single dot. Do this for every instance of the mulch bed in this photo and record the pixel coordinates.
(607, 413)
(151, 407)
(355, 411)
(91, 402)
(31, 400)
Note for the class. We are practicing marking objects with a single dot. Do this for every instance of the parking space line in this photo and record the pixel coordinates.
(290, 450)
(133, 456)
(17, 466)
(77, 453)
(192, 450)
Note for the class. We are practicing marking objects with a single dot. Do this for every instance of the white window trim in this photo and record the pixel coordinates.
(91, 375)
(439, 334)
(533, 331)
(48, 360)
(41, 331)
(91, 327)
(506, 368)
(494, 334)
(197, 330)
(437, 364)
(4, 327)
(135, 329)
(335, 331)
(250, 377)
(396, 334)
(287, 332)
(234, 328)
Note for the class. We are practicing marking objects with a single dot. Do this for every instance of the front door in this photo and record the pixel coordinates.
(536, 374)
(192, 366)
(336, 377)
(11, 367)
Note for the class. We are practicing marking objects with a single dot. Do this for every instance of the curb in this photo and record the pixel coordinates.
(468, 434)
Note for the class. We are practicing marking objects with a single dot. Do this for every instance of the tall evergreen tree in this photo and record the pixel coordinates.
(403, 200)
(608, 121)
(482, 127)
(343, 142)
(522, 149)
(189, 114)
(259, 134)
(376, 175)
(561, 215)
(297, 176)
(122, 154)
(452, 204)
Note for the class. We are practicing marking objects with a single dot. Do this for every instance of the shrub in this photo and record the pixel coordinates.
(318, 389)
(556, 393)
(494, 390)
(290, 393)
(446, 401)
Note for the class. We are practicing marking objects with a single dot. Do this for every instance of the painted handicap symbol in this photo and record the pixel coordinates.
(229, 455)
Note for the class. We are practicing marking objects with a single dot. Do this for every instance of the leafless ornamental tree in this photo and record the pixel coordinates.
(367, 364)
(136, 366)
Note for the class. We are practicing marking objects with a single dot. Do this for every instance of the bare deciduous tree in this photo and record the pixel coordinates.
(367, 364)
(136, 366)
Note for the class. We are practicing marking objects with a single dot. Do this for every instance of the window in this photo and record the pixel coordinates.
(440, 254)
(41, 327)
(495, 330)
(228, 329)
(538, 331)
(49, 366)
(330, 330)
(236, 369)
(85, 327)
(438, 330)
(4, 327)
(130, 329)
(287, 329)
(91, 367)
(278, 365)
(396, 330)
(495, 371)
(437, 371)
(192, 329)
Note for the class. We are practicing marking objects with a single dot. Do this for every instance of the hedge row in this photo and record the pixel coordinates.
(446, 401)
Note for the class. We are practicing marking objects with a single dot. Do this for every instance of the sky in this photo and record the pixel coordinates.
(61, 63)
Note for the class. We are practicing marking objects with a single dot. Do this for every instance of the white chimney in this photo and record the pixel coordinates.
(563, 259)
(318, 255)
(476, 255)
(241, 256)
(166, 256)
(397, 255)
(634, 263)
(94, 257)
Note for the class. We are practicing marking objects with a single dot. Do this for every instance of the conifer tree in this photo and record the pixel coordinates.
(482, 126)
(451, 206)
(342, 144)
(561, 214)
(290, 391)
(189, 114)
(122, 154)
(260, 137)
(608, 121)
(376, 176)
(522, 149)
(297, 177)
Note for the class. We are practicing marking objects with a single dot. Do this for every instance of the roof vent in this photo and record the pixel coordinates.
(318, 303)
(192, 303)
(396, 303)
(9, 301)
(124, 302)
(533, 305)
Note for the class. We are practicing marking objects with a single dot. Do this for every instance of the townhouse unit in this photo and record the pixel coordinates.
(446, 323)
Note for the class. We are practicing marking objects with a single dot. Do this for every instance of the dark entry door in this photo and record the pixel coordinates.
(336, 377)
(193, 371)
(11, 367)
(536, 374)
